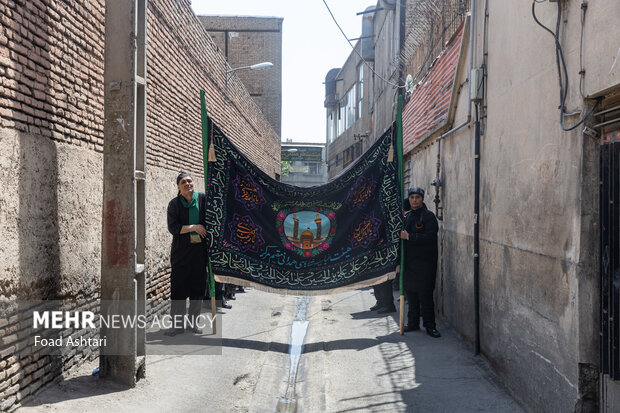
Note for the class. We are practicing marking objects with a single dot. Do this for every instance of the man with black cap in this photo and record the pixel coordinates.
(420, 235)
(188, 255)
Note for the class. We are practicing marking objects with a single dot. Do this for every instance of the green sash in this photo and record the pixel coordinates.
(193, 211)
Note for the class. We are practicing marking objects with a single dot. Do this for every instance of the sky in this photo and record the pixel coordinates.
(311, 46)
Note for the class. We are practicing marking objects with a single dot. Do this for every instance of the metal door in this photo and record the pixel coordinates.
(610, 256)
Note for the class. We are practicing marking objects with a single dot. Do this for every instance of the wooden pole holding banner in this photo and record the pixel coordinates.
(399, 150)
(205, 156)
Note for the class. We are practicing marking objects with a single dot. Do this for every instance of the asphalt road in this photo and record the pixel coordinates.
(352, 361)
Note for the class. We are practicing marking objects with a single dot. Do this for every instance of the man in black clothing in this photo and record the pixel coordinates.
(420, 235)
(188, 255)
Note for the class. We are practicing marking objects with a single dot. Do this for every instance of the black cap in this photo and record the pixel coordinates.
(181, 176)
(416, 190)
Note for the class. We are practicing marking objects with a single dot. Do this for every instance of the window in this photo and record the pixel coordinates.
(341, 117)
(330, 126)
(347, 157)
(339, 159)
(360, 91)
(313, 168)
(358, 149)
(350, 107)
(395, 42)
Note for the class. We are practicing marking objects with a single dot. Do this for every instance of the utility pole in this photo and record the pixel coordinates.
(123, 286)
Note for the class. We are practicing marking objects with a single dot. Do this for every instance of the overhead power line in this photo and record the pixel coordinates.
(395, 85)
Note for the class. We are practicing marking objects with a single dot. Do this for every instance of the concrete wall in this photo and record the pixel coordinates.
(51, 143)
(539, 205)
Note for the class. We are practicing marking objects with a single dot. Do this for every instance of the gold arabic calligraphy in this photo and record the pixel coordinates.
(363, 231)
(246, 233)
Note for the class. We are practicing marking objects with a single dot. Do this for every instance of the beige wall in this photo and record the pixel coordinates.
(538, 203)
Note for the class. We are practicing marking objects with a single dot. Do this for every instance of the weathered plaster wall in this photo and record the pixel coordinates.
(51, 143)
(50, 217)
(539, 205)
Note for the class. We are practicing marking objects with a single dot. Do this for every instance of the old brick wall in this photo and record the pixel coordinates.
(429, 25)
(245, 41)
(51, 143)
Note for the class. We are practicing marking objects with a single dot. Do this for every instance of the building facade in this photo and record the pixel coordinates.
(304, 164)
(361, 97)
(245, 41)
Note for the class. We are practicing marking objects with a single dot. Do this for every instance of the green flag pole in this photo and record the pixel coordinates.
(399, 151)
(205, 162)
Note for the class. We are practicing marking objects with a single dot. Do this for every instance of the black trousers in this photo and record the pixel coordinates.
(421, 303)
(383, 294)
(178, 307)
(187, 280)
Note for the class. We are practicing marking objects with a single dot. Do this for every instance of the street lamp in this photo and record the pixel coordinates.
(252, 67)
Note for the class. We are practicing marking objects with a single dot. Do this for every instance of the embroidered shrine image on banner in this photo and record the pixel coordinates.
(274, 236)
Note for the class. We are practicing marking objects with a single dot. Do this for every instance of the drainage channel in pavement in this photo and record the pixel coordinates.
(288, 403)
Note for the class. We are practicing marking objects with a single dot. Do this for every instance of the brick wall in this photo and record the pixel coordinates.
(245, 41)
(51, 67)
(51, 144)
(428, 26)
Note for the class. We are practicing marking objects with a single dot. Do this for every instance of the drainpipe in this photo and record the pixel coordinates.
(477, 234)
(476, 190)
(437, 184)
(472, 20)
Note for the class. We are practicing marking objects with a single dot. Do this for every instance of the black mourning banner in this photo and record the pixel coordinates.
(278, 237)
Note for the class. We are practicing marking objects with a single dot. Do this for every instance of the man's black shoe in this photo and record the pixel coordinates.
(224, 304)
(240, 289)
(386, 310)
(195, 330)
(433, 332)
(375, 307)
(231, 296)
(412, 327)
(173, 332)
